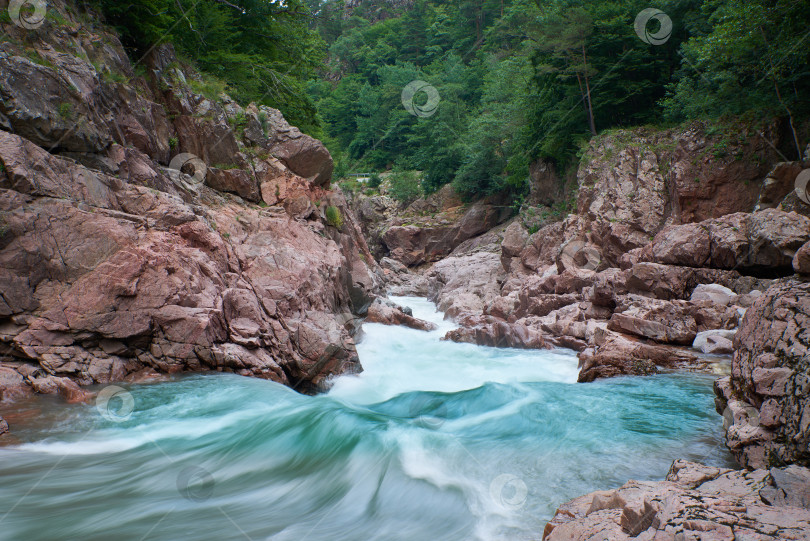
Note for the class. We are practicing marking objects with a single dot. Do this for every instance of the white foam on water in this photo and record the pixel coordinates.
(398, 360)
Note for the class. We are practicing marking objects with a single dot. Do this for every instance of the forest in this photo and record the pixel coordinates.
(498, 83)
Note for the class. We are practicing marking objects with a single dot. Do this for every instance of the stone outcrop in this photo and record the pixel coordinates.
(634, 183)
(766, 400)
(801, 261)
(303, 155)
(400, 280)
(762, 242)
(113, 264)
(694, 502)
(104, 277)
(428, 229)
(389, 313)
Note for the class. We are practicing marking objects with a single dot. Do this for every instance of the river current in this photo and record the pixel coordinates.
(434, 441)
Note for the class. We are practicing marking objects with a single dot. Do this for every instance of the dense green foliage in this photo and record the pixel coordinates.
(517, 80)
(404, 186)
(525, 79)
(264, 51)
(334, 217)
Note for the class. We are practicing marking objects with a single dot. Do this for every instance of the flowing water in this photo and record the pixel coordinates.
(434, 441)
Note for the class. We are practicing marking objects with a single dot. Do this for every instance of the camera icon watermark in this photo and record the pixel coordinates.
(426, 109)
(195, 484)
(509, 491)
(428, 412)
(642, 24)
(28, 14)
(802, 186)
(185, 161)
(115, 403)
(743, 415)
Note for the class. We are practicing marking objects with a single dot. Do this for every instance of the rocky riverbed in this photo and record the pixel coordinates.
(147, 229)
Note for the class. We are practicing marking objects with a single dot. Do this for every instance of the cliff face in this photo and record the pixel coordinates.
(766, 400)
(147, 228)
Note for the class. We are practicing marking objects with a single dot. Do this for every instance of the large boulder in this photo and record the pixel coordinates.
(389, 313)
(694, 502)
(766, 400)
(662, 321)
(434, 238)
(465, 284)
(764, 242)
(304, 155)
(238, 181)
(617, 354)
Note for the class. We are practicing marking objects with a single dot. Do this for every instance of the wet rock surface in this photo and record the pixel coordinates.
(388, 313)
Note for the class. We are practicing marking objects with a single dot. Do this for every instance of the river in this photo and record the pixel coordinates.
(434, 441)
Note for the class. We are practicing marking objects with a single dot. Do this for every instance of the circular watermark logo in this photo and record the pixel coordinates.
(643, 22)
(426, 109)
(580, 254)
(509, 491)
(115, 403)
(428, 411)
(802, 186)
(186, 161)
(745, 414)
(28, 14)
(195, 483)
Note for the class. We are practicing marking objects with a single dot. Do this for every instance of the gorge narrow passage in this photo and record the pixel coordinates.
(435, 440)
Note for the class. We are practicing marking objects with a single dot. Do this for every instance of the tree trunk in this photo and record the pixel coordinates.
(588, 91)
(779, 97)
(584, 100)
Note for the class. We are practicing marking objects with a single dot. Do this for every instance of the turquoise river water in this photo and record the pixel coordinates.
(434, 441)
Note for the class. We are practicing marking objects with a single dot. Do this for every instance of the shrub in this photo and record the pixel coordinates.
(333, 216)
(66, 111)
(405, 186)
